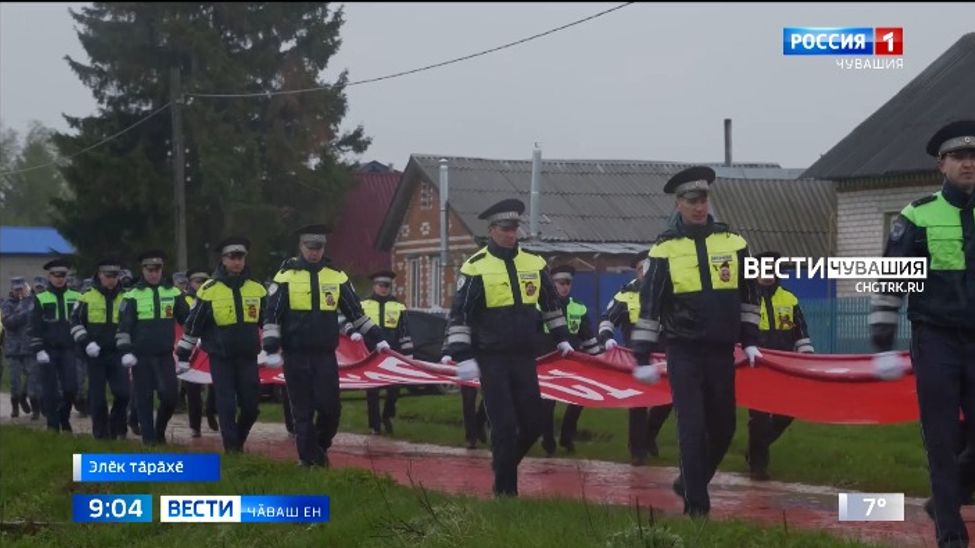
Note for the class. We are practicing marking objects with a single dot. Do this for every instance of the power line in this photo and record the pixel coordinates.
(308, 90)
(92, 147)
(420, 69)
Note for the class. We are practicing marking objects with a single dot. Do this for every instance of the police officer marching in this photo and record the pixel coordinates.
(94, 324)
(940, 228)
(623, 312)
(302, 324)
(50, 332)
(695, 294)
(781, 327)
(581, 336)
(145, 338)
(24, 376)
(492, 326)
(227, 316)
(196, 277)
(390, 315)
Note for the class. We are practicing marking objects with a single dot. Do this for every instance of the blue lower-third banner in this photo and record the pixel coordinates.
(244, 509)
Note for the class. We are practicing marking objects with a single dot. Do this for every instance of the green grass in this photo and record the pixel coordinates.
(888, 458)
(366, 510)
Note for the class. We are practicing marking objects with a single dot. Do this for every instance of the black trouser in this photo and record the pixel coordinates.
(107, 368)
(702, 383)
(237, 385)
(194, 402)
(289, 421)
(133, 408)
(389, 406)
(644, 426)
(763, 429)
(514, 407)
(570, 423)
(944, 366)
(63, 372)
(313, 386)
(966, 461)
(155, 374)
(475, 417)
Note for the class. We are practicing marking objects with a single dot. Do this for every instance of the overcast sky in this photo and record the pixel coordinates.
(648, 82)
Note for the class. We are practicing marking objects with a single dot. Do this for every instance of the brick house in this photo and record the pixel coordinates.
(881, 166)
(595, 214)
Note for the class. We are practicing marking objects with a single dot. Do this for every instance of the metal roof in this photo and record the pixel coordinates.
(33, 240)
(351, 245)
(587, 204)
(892, 140)
(793, 217)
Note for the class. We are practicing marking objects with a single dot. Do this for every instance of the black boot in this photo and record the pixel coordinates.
(24, 405)
(212, 422)
(16, 408)
(35, 406)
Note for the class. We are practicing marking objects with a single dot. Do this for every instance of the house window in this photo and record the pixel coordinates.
(435, 285)
(414, 266)
(426, 196)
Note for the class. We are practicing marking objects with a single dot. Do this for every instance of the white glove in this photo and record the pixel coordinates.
(182, 367)
(610, 344)
(647, 374)
(43, 357)
(467, 370)
(356, 337)
(93, 350)
(274, 360)
(129, 360)
(446, 360)
(887, 366)
(751, 352)
(382, 346)
(564, 348)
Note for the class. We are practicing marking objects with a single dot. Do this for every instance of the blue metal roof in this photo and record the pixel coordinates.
(33, 240)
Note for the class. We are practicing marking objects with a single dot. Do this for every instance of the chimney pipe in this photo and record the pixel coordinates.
(536, 183)
(727, 142)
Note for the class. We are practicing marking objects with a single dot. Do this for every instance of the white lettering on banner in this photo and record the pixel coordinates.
(381, 377)
(575, 390)
(614, 392)
(402, 368)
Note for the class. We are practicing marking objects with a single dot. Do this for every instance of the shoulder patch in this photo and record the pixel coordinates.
(924, 200)
(477, 257)
(208, 284)
(897, 228)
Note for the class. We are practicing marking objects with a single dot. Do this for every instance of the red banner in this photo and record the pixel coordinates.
(827, 388)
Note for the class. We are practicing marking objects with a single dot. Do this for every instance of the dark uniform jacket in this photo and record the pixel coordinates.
(313, 330)
(473, 327)
(707, 315)
(246, 305)
(154, 335)
(948, 299)
(85, 331)
(50, 326)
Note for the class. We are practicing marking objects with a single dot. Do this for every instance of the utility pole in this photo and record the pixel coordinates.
(444, 227)
(179, 167)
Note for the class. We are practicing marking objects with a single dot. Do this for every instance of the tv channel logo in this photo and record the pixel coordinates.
(859, 41)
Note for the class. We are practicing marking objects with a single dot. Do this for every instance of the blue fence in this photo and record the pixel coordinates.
(836, 325)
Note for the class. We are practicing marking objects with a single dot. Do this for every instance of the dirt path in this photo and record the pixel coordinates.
(462, 471)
